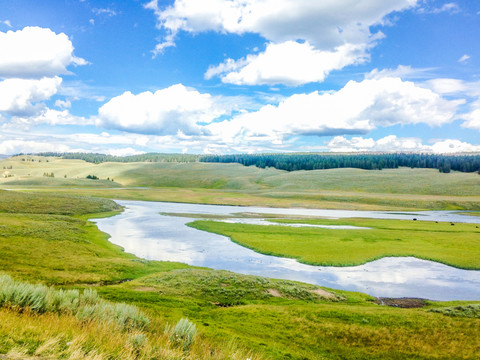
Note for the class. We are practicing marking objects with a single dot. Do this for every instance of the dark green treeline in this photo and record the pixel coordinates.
(294, 162)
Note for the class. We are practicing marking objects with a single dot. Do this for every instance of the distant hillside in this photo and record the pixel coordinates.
(302, 161)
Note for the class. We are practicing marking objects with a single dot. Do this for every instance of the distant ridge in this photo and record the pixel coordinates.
(303, 161)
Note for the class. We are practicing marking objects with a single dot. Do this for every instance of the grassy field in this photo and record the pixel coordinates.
(397, 189)
(237, 316)
(45, 238)
(453, 245)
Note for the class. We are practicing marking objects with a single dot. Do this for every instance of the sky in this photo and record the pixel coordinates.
(239, 76)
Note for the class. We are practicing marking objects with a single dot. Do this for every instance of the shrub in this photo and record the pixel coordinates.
(469, 311)
(87, 306)
(183, 334)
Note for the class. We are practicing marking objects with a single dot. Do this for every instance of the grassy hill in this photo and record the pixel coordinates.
(391, 189)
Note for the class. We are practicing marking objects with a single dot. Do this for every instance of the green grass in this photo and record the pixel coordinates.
(27, 203)
(453, 245)
(296, 324)
(392, 189)
(44, 246)
(44, 239)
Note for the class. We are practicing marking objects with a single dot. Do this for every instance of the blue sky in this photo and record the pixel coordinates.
(229, 76)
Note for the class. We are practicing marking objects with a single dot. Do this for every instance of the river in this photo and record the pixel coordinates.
(143, 231)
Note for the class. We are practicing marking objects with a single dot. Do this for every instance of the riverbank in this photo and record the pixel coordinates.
(237, 316)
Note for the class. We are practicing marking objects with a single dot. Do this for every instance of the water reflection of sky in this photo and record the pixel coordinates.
(141, 230)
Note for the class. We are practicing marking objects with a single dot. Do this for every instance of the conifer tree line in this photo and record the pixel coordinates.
(96, 158)
(296, 161)
(293, 162)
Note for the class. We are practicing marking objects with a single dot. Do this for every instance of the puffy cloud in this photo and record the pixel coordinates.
(336, 33)
(35, 52)
(393, 143)
(388, 143)
(167, 111)
(10, 147)
(55, 117)
(472, 118)
(453, 146)
(325, 24)
(308, 39)
(289, 63)
(357, 108)
(64, 104)
(21, 97)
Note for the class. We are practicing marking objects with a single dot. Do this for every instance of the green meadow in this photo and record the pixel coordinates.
(68, 293)
(456, 245)
(234, 184)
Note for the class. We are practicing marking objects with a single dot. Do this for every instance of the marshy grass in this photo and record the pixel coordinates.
(441, 242)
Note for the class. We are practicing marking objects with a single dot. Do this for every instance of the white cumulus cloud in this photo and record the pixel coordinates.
(35, 52)
(11, 147)
(326, 24)
(357, 108)
(289, 63)
(21, 97)
(164, 112)
(386, 144)
(393, 143)
(473, 117)
(453, 146)
(329, 33)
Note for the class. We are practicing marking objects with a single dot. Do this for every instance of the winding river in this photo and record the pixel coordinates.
(143, 231)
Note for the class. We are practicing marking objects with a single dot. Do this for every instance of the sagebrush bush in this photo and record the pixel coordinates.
(183, 334)
(470, 311)
(86, 306)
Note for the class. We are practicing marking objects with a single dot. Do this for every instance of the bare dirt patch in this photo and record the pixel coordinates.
(274, 292)
(406, 303)
(323, 293)
(145, 289)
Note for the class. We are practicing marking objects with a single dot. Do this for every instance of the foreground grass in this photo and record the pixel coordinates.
(234, 184)
(453, 245)
(237, 316)
(294, 323)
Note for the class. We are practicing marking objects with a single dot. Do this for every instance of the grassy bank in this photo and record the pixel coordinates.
(453, 245)
(236, 316)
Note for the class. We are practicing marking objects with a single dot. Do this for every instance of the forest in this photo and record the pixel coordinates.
(293, 162)
(304, 161)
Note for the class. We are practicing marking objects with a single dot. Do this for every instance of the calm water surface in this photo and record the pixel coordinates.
(142, 231)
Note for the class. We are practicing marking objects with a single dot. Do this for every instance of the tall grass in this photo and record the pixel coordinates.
(86, 306)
